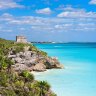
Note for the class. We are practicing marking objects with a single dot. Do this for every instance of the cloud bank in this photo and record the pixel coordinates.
(72, 12)
(92, 2)
(6, 4)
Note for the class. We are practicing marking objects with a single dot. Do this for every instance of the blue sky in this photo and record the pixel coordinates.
(49, 20)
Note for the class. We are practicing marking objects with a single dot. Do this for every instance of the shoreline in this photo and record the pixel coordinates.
(44, 72)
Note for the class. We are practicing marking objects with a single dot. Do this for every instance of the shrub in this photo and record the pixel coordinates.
(28, 76)
(5, 62)
(8, 92)
(3, 79)
(19, 83)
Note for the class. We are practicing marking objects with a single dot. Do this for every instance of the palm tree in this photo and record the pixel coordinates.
(43, 86)
(28, 76)
(3, 64)
(9, 64)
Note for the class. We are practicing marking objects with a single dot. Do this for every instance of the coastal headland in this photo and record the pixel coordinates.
(17, 62)
(27, 57)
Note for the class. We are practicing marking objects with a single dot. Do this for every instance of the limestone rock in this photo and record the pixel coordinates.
(17, 60)
(20, 67)
(33, 61)
(39, 67)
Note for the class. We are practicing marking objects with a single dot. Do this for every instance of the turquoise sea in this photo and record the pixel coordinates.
(78, 78)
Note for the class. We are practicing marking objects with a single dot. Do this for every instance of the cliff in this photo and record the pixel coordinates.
(31, 60)
(16, 60)
(28, 57)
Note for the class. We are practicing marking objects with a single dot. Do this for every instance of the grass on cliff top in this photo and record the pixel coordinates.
(7, 45)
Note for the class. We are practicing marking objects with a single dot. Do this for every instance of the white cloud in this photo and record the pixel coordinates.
(40, 24)
(64, 7)
(62, 26)
(6, 4)
(5, 30)
(6, 15)
(22, 29)
(92, 2)
(72, 12)
(44, 11)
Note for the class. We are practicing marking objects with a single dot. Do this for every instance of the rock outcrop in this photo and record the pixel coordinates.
(30, 60)
(39, 67)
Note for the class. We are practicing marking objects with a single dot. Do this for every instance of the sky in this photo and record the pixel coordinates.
(49, 20)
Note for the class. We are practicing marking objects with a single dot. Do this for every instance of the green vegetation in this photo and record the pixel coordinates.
(5, 63)
(6, 46)
(27, 76)
(22, 84)
(14, 83)
(39, 52)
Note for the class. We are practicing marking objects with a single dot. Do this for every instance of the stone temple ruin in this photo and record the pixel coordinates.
(21, 39)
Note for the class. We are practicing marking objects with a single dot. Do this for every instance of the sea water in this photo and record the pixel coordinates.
(78, 78)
